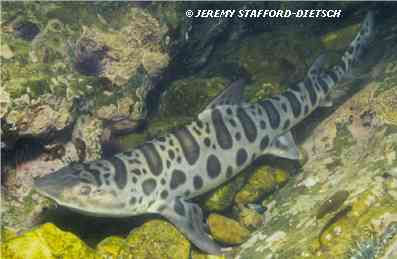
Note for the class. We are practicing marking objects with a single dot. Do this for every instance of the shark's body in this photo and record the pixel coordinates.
(162, 175)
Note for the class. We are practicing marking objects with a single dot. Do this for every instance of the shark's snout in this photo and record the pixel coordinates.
(53, 185)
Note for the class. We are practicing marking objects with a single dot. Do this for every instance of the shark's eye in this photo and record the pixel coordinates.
(85, 190)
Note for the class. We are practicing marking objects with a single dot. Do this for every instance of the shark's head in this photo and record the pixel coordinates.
(86, 188)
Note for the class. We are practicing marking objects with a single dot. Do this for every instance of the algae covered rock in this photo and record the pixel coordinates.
(187, 97)
(227, 230)
(46, 241)
(263, 180)
(156, 239)
(222, 197)
(343, 204)
(111, 246)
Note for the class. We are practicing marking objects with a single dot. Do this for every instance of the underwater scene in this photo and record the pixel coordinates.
(198, 130)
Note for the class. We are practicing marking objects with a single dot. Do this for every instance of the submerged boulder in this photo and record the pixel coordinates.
(46, 242)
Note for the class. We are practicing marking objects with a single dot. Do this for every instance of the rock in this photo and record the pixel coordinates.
(226, 230)
(263, 180)
(222, 197)
(187, 97)
(156, 239)
(111, 246)
(351, 160)
(86, 136)
(250, 218)
(46, 241)
(196, 254)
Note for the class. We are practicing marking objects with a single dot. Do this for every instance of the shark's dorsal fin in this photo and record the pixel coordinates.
(284, 146)
(188, 218)
(315, 68)
(233, 94)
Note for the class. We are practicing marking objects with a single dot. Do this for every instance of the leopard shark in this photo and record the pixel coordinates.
(163, 175)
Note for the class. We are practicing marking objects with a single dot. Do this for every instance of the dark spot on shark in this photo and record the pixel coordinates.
(197, 182)
(120, 174)
(148, 186)
(286, 124)
(294, 102)
(323, 85)
(311, 91)
(164, 194)
(190, 147)
(238, 136)
(132, 200)
(200, 124)
(241, 157)
(262, 124)
(198, 132)
(178, 178)
(222, 134)
(162, 147)
(229, 172)
(171, 154)
(213, 166)
(284, 107)
(306, 109)
(179, 208)
(186, 193)
(171, 142)
(229, 111)
(264, 143)
(333, 76)
(161, 139)
(136, 171)
(152, 157)
(168, 163)
(272, 113)
(94, 172)
(232, 122)
(249, 127)
(162, 181)
(207, 142)
(134, 179)
(179, 159)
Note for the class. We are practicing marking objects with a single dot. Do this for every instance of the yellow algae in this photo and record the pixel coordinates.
(227, 230)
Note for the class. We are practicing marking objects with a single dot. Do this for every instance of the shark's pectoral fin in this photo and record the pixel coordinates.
(284, 146)
(188, 218)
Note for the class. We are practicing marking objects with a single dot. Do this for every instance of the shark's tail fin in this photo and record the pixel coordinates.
(359, 45)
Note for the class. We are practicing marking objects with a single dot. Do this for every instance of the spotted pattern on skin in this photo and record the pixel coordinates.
(294, 103)
(179, 208)
(120, 172)
(264, 143)
(287, 123)
(272, 113)
(311, 91)
(197, 182)
(190, 147)
(164, 194)
(222, 134)
(241, 157)
(152, 158)
(248, 125)
(148, 186)
(178, 178)
(229, 172)
(213, 166)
